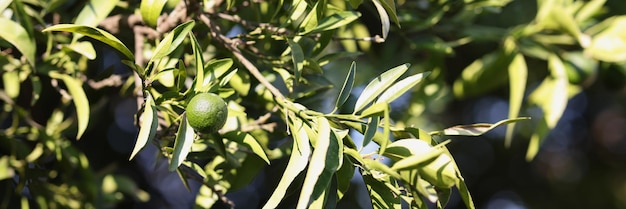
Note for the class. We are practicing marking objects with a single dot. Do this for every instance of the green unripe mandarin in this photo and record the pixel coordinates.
(206, 112)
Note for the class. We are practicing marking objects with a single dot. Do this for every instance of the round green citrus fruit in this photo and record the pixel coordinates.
(206, 112)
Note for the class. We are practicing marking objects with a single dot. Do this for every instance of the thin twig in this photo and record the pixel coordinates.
(232, 46)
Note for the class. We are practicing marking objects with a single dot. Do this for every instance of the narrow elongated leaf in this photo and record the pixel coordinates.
(94, 12)
(372, 128)
(377, 109)
(384, 18)
(184, 139)
(465, 194)
(518, 74)
(297, 161)
(400, 88)
(172, 40)
(390, 7)
(84, 48)
(149, 124)
(214, 68)
(551, 96)
(346, 89)
(343, 175)
(378, 85)
(322, 166)
(75, 87)
(199, 59)
(476, 129)
(310, 21)
(15, 34)
(95, 33)
(248, 141)
(297, 57)
(151, 10)
(334, 21)
(415, 161)
(381, 196)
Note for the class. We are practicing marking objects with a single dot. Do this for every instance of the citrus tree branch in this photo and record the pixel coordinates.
(231, 45)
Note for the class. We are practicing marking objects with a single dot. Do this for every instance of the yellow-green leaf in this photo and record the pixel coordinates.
(151, 10)
(149, 124)
(15, 34)
(95, 33)
(518, 74)
(378, 85)
(182, 146)
(301, 150)
(94, 12)
(75, 87)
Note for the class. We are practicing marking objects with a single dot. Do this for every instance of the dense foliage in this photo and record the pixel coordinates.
(119, 75)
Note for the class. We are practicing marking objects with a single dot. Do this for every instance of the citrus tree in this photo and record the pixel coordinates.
(226, 89)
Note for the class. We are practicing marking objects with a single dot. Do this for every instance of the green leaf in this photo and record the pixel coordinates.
(199, 85)
(518, 74)
(172, 40)
(483, 75)
(297, 57)
(6, 171)
(476, 129)
(248, 141)
(4, 4)
(11, 81)
(84, 48)
(417, 160)
(297, 161)
(370, 131)
(381, 196)
(609, 44)
(75, 87)
(376, 109)
(15, 34)
(384, 18)
(344, 175)
(322, 166)
(346, 89)
(390, 7)
(465, 194)
(94, 12)
(149, 124)
(214, 69)
(333, 21)
(184, 139)
(95, 33)
(551, 96)
(378, 85)
(151, 10)
(399, 88)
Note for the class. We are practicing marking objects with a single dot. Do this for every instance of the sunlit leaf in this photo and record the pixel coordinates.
(213, 69)
(149, 124)
(552, 98)
(11, 83)
(334, 21)
(384, 18)
(95, 33)
(84, 48)
(151, 10)
(416, 160)
(6, 171)
(378, 85)
(399, 88)
(374, 110)
(517, 86)
(15, 34)
(184, 139)
(248, 141)
(94, 12)
(465, 194)
(75, 87)
(346, 89)
(298, 161)
(609, 44)
(476, 129)
(172, 40)
(323, 165)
